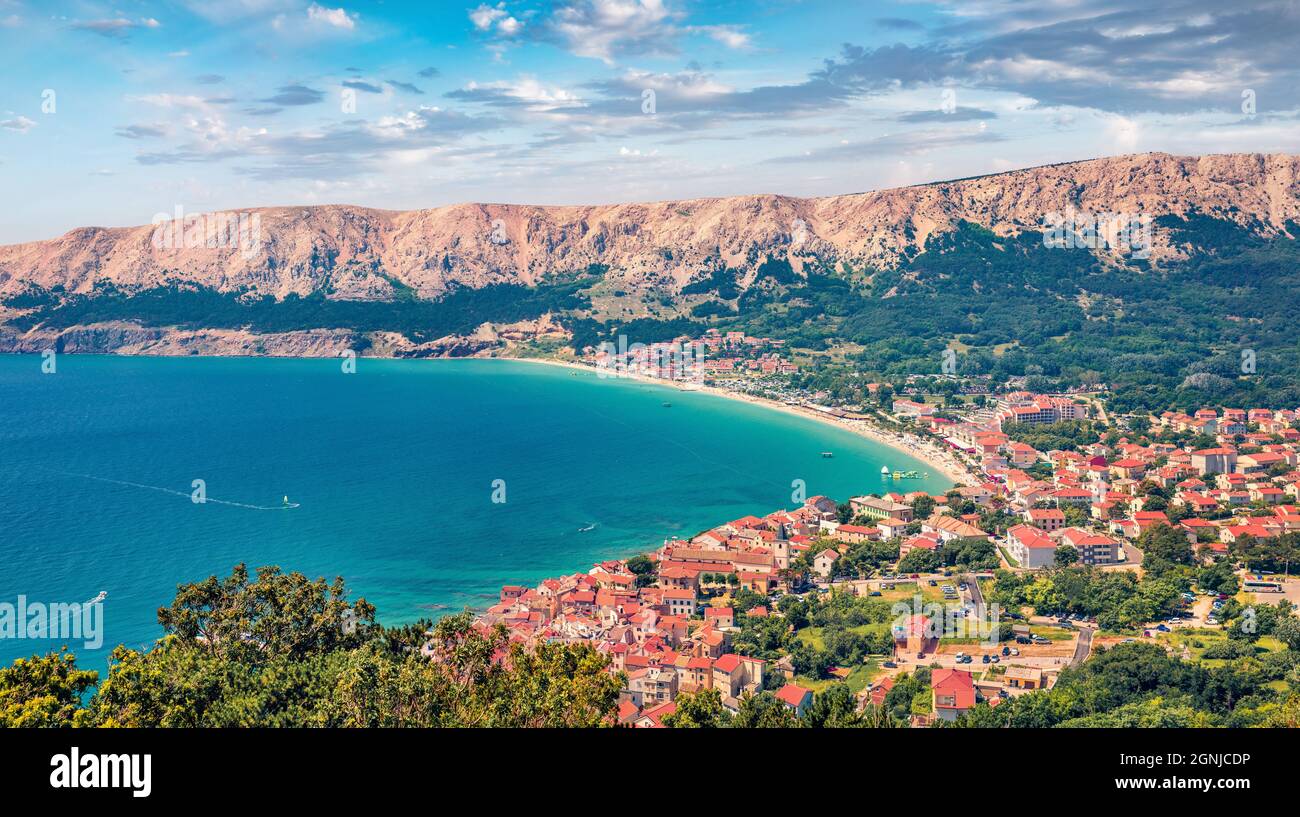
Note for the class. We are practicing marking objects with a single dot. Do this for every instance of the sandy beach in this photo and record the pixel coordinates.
(940, 460)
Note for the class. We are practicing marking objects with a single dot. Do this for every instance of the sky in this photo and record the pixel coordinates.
(113, 112)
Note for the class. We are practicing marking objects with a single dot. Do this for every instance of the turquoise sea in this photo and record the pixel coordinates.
(390, 472)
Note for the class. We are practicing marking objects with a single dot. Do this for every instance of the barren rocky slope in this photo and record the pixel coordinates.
(360, 253)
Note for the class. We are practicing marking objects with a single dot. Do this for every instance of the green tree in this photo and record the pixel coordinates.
(43, 691)
(699, 710)
(261, 653)
(765, 711)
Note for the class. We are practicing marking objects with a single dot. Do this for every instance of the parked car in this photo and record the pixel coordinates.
(995, 659)
(888, 665)
(874, 593)
(1162, 628)
(1006, 650)
(984, 658)
(1015, 651)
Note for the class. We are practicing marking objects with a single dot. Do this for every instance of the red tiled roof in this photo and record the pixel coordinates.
(792, 694)
(955, 683)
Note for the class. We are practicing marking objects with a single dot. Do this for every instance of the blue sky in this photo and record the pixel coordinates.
(113, 112)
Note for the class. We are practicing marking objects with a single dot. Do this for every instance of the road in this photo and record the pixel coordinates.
(1083, 646)
(976, 595)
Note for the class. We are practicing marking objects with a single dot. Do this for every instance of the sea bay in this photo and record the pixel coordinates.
(390, 475)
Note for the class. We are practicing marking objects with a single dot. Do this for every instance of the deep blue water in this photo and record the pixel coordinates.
(392, 471)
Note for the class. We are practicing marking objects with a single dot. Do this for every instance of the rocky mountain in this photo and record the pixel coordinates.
(346, 252)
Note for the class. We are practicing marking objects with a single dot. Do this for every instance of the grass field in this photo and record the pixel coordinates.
(1195, 641)
(858, 678)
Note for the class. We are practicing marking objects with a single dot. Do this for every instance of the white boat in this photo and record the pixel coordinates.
(884, 470)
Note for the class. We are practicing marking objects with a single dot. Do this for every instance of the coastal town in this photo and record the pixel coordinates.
(924, 607)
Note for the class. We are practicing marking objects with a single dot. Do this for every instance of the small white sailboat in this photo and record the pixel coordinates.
(103, 594)
(588, 528)
(884, 470)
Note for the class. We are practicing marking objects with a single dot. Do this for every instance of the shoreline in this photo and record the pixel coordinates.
(924, 451)
(908, 445)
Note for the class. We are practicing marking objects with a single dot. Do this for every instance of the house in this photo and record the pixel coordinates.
(1198, 503)
(720, 617)
(1214, 461)
(680, 602)
(875, 694)
(1127, 469)
(874, 507)
(651, 685)
(824, 561)
(734, 675)
(795, 697)
(924, 541)
(694, 673)
(1077, 497)
(948, 528)
(1093, 548)
(953, 692)
(917, 635)
(855, 534)
(653, 718)
(1048, 519)
(1021, 455)
(627, 713)
(1268, 494)
(1030, 547)
(1260, 463)
(1023, 677)
(910, 408)
(892, 528)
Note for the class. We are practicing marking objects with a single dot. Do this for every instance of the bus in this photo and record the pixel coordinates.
(1261, 586)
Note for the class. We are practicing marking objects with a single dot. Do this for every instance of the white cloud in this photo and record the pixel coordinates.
(1124, 134)
(19, 124)
(116, 27)
(486, 17)
(169, 100)
(730, 36)
(600, 28)
(338, 18)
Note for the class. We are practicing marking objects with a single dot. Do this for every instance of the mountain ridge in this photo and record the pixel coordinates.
(353, 252)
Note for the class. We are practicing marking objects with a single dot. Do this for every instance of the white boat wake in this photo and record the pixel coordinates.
(286, 506)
